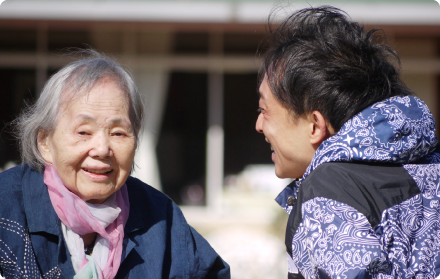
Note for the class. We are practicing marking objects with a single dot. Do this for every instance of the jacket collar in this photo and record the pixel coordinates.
(398, 130)
(290, 191)
(137, 219)
(36, 200)
(142, 204)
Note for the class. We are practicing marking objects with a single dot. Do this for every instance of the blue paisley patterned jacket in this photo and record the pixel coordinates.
(368, 206)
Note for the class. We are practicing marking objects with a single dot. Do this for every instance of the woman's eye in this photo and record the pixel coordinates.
(260, 110)
(82, 133)
(118, 134)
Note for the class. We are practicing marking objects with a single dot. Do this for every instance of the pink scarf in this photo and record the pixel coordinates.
(75, 214)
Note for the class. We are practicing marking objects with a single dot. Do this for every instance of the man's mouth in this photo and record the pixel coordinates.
(271, 147)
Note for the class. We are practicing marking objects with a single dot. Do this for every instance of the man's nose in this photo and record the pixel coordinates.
(259, 124)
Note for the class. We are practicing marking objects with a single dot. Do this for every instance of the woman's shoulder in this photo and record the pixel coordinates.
(12, 212)
(148, 206)
(11, 179)
(11, 184)
(144, 195)
(157, 223)
(18, 185)
(137, 187)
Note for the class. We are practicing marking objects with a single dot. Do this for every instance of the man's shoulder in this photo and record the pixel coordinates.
(361, 174)
(370, 188)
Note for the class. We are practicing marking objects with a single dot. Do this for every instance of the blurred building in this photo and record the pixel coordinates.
(196, 63)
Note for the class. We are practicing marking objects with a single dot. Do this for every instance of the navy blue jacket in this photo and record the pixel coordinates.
(158, 242)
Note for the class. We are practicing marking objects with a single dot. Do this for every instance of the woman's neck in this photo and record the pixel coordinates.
(89, 239)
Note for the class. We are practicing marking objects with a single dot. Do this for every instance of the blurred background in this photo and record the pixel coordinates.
(196, 64)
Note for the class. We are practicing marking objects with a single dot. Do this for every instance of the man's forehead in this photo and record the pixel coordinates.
(263, 98)
(264, 90)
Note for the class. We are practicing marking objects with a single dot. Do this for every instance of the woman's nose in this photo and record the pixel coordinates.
(100, 147)
(259, 124)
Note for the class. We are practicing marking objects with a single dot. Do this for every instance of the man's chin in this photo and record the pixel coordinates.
(282, 174)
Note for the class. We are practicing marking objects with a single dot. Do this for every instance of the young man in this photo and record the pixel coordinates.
(365, 201)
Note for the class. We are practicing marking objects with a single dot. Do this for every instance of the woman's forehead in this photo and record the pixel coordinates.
(103, 86)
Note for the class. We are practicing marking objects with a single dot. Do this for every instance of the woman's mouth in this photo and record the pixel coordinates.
(98, 174)
(98, 171)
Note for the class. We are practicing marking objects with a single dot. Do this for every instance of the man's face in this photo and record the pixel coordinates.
(289, 137)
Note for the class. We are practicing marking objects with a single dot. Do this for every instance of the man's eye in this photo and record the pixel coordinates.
(82, 133)
(260, 110)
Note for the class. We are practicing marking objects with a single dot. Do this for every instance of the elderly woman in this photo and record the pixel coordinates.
(72, 210)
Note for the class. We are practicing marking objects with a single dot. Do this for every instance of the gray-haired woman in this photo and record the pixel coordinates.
(72, 210)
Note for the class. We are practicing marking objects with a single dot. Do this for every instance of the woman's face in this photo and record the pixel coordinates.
(93, 144)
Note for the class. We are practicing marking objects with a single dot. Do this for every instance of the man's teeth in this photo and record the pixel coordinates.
(99, 171)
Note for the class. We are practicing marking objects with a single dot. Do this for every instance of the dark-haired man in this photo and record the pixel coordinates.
(365, 202)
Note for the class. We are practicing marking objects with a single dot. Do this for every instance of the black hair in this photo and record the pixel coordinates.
(319, 60)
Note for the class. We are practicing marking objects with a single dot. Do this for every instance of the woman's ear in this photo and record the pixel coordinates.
(44, 146)
(321, 128)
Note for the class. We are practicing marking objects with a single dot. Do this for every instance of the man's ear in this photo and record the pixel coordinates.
(44, 146)
(321, 128)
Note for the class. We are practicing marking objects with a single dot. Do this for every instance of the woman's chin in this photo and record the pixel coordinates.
(100, 194)
(95, 201)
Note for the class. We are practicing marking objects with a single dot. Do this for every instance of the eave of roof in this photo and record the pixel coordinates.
(391, 12)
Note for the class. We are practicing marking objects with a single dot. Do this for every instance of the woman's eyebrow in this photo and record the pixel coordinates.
(120, 121)
(86, 117)
(89, 118)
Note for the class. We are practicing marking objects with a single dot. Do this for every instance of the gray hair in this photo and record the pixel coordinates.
(76, 79)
